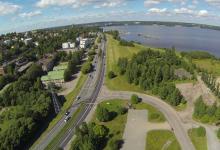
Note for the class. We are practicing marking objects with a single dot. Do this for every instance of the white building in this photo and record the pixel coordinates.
(65, 45)
(28, 41)
(7, 42)
(72, 45)
(68, 45)
(84, 43)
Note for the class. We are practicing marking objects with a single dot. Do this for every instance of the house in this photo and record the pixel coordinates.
(65, 45)
(28, 41)
(68, 45)
(7, 42)
(84, 43)
(56, 76)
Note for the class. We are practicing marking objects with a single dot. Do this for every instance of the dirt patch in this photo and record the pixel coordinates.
(191, 92)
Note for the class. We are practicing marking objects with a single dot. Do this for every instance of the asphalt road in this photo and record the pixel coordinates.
(88, 94)
(172, 117)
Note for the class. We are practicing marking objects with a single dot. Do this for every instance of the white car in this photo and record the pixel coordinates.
(67, 118)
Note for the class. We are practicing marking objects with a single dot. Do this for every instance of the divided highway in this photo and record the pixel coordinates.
(88, 94)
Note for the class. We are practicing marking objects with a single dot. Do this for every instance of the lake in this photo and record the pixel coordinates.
(182, 38)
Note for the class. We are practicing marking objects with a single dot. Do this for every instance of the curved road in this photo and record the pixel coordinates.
(170, 114)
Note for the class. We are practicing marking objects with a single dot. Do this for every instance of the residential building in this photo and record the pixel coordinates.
(28, 41)
(7, 42)
(68, 45)
(84, 43)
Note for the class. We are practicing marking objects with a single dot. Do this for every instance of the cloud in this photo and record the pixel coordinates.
(8, 8)
(148, 3)
(152, 2)
(183, 10)
(79, 3)
(158, 10)
(203, 13)
(30, 14)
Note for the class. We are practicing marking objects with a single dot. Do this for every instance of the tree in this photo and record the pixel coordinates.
(100, 130)
(103, 114)
(134, 99)
(111, 75)
(86, 67)
(67, 75)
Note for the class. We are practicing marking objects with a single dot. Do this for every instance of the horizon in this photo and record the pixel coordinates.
(17, 16)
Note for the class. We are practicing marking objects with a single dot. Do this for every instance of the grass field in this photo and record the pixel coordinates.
(161, 139)
(200, 143)
(69, 100)
(211, 65)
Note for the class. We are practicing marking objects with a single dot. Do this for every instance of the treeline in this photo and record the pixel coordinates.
(197, 54)
(210, 81)
(27, 106)
(153, 70)
(115, 34)
(126, 43)
(205, 113)
(74, 59)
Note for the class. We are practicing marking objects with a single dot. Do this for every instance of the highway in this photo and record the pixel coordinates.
(88, 94)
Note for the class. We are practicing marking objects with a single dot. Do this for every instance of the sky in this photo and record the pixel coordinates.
(23, 15)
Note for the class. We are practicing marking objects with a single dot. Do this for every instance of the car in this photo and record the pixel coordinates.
(67, 118)
(78, 98)
(67, 113)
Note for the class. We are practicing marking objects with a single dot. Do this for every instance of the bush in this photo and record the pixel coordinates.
(114, 144)
(201, 132)
(103, 114)
(111, 75)
(121, 110)
(134, 99)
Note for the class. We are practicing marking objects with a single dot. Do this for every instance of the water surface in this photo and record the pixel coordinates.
(182, 38)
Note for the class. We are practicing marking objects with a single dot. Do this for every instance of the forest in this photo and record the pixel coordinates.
(154, 70)
(26, 106)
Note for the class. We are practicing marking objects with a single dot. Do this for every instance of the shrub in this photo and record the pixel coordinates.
(114, 144)
(111, 75)
(134, 99)
(201, 132)
(218, 133)
(103, 114)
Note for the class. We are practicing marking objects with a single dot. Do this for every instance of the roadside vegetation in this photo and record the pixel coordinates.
(205, 113)
(161, 139)
(198, 137)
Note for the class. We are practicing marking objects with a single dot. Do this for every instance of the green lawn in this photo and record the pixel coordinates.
(200, 143)
(211, 65)
(161, 139)
(69, 100)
